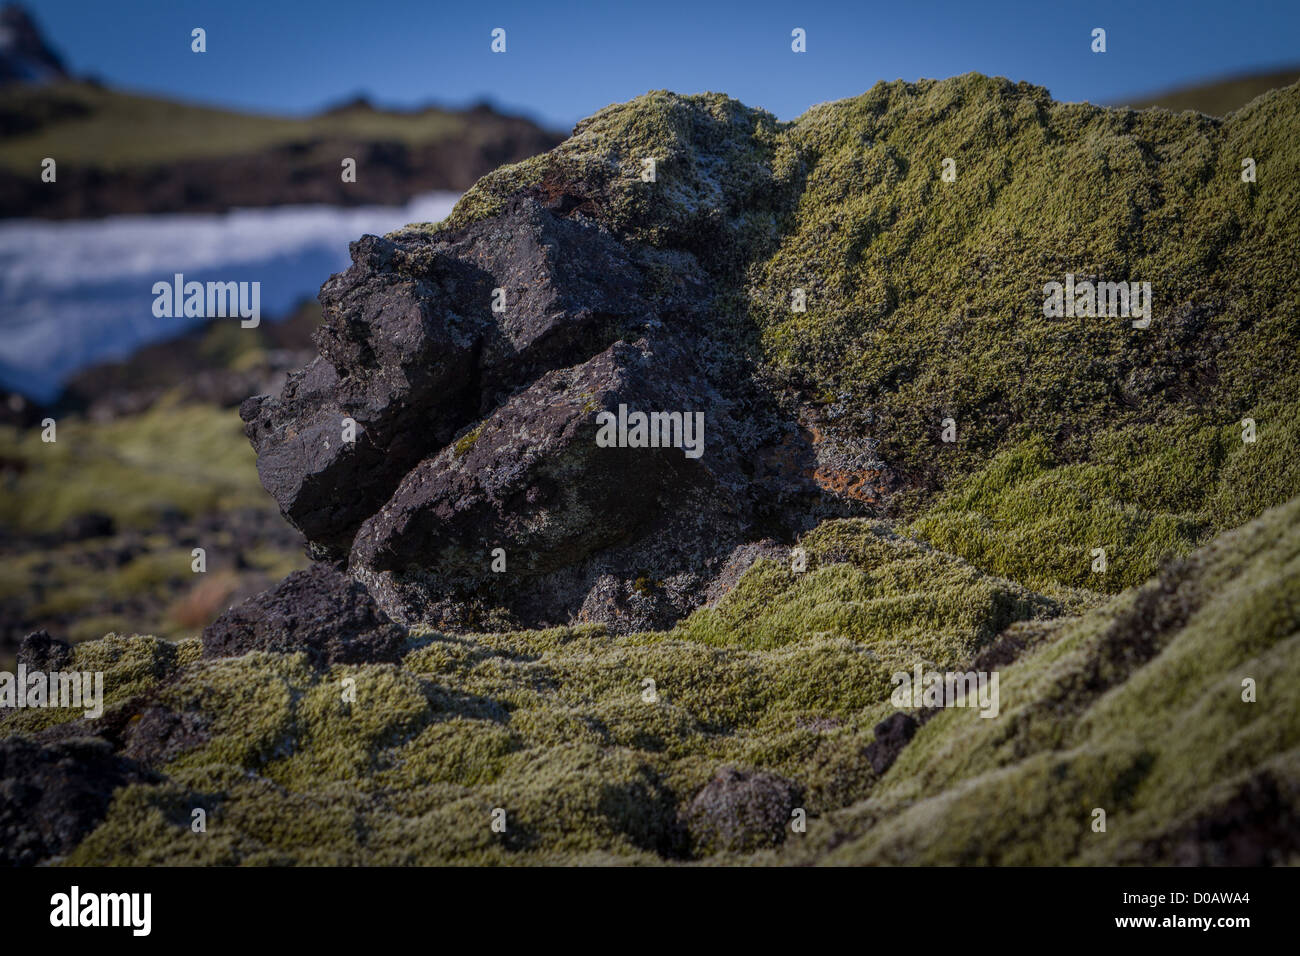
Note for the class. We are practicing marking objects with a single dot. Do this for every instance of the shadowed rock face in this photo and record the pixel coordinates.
(476, 426)
(318, 611)
(50, 797)
(41, 652)
(740, 811)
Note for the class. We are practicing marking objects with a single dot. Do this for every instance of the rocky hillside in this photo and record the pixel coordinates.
(651, 672)
(923, 304)
(120, 152)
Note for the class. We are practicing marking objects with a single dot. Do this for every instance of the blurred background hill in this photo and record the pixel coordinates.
(121, 152)
(125, 153)
(1216, 97)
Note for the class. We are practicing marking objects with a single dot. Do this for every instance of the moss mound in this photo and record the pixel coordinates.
(924, 298)
(1137, 709)
(1170, 704)
(1144, 494)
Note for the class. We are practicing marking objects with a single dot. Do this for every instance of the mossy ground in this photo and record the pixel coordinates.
(924, 302)
(1158, 740)
(187, 458)
(1134, 707)
(1145, 494)
(179, 462)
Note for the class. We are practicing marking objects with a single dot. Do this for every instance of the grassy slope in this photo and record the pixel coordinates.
(924, 301)
(1220, 97)
(123, 129)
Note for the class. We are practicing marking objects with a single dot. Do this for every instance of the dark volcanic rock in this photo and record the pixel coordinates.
(161, 735)
(892, 735)
(476, 423)
(739, 811)
(51, 797)
(40, 652)
(319, 611)
(90, 524)
(114, 726)
(393, 356)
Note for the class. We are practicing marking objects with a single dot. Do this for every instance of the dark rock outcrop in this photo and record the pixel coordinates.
(892, 735)
(160, 735)
(40, 652)
(52, 796)
(318, 611)
(476, 420)
(739, 811)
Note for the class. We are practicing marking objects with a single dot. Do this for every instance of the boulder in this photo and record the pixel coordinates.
(40, 652)
(319, 611)
(740, 811)
(475, 364)
(52, 796)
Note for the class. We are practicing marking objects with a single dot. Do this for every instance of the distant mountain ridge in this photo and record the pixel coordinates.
(120, 152)
(24, 54)
(1217, 97)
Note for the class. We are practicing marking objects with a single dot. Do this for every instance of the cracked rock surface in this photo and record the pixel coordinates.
(468, 369)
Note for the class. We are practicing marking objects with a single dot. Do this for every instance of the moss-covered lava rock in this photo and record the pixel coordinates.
(909, 465)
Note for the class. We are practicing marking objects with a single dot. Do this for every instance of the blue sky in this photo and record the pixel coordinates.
(565, 60)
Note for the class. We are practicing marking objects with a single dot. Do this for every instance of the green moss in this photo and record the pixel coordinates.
(1134, 707)
(191, 458)
(720, 175)
(465, 443)
(924, 302)
(1157, 738)
(866, 583)
(130, 665)
(186, 461)
(1144, 494)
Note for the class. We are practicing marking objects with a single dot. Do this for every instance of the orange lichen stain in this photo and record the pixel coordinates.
(861, 486)
(865, 485)
(796, 456)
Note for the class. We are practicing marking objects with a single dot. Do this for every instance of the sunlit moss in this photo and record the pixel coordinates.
(924, 302)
